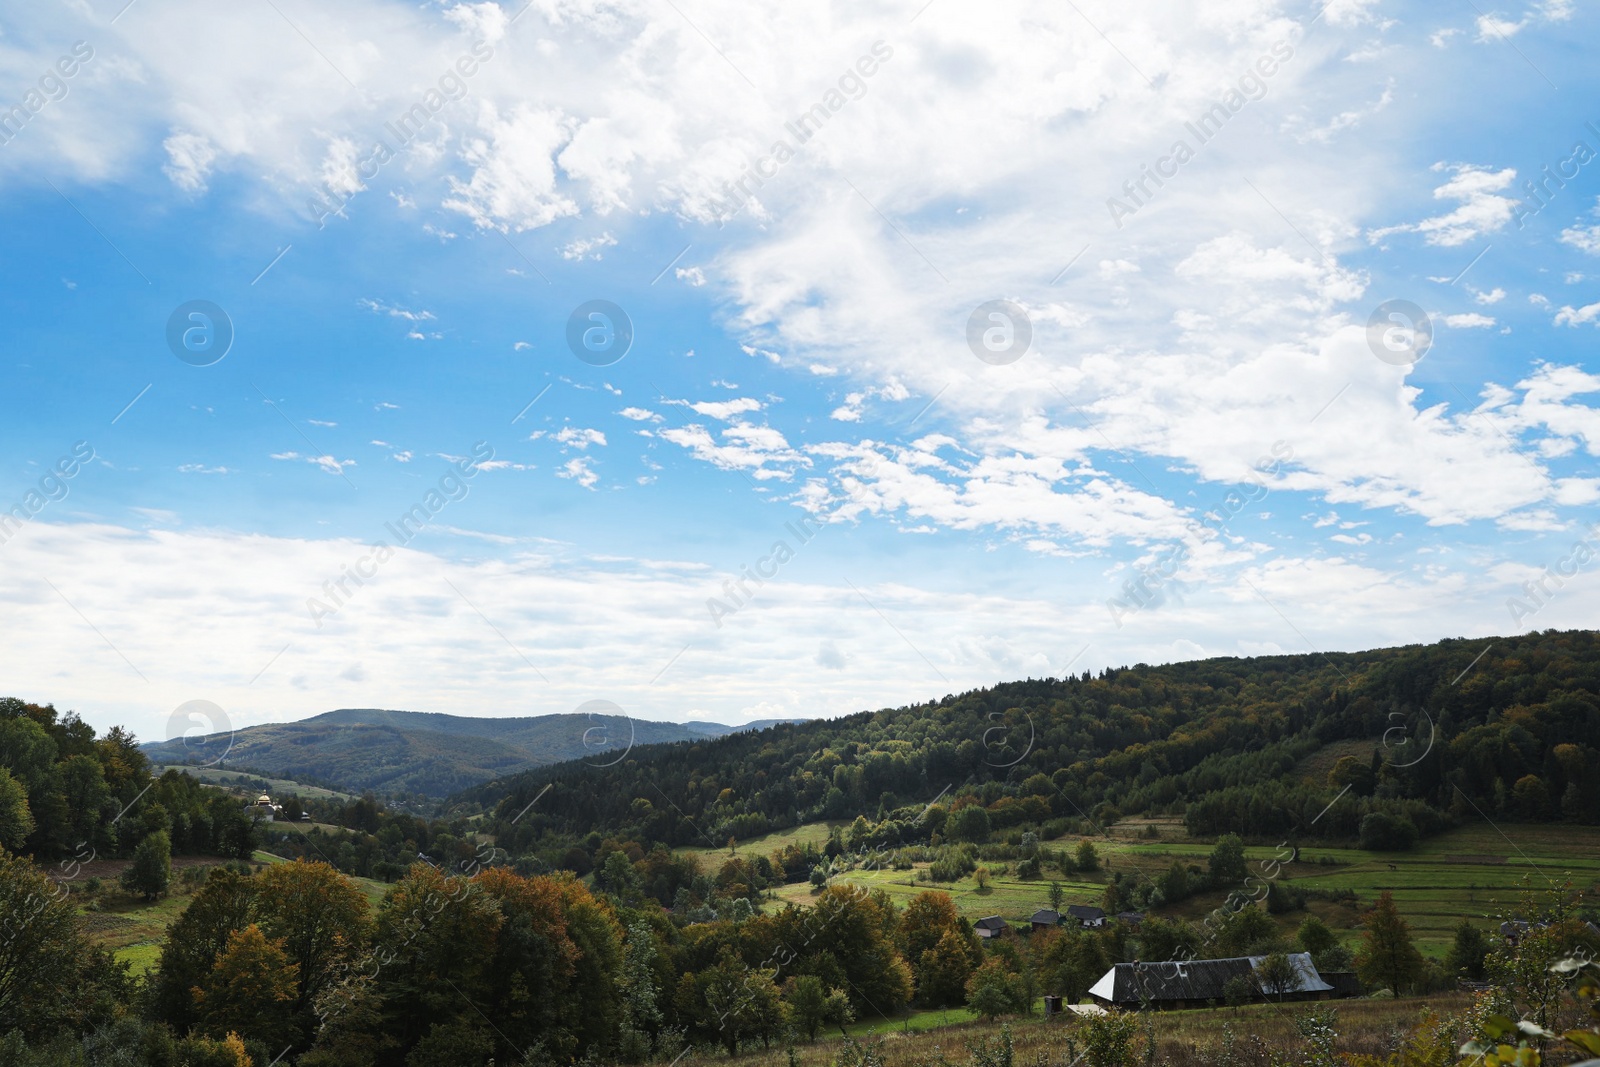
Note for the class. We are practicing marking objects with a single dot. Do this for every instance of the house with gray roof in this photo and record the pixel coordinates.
(1199, 983)
(991, 926)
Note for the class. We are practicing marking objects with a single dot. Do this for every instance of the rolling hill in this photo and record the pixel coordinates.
(360, 749)
(1386, 746)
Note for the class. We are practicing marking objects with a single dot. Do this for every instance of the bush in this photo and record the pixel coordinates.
(1381, 832)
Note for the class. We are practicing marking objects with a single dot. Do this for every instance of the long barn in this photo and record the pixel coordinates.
(1198, 983)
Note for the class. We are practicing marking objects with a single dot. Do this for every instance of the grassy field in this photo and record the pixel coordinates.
(1465, 872)
(813, 833)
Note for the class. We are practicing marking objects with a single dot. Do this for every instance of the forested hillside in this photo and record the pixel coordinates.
(1457, 729)
(411, 752)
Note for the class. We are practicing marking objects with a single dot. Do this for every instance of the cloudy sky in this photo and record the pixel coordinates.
(1043, 337)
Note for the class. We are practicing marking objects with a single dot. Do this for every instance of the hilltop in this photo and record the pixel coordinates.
(383, 751)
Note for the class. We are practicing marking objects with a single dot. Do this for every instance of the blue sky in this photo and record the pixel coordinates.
(799, 352)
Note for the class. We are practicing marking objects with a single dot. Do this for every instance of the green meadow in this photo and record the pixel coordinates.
(1474, 871)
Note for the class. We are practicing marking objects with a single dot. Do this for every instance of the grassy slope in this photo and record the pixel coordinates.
(1460, 873)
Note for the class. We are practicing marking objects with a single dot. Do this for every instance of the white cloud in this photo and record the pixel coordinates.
(513, 184)
(580, 438)
(1493, 28)
(1482, 209)
(579, 470)
(1469, 321)
(588, 247)
(394, 311)
(327, 463)
(1349, 119)
(1569, 316)
(190, 158)
(725, 409)
(760, 451)
(1583, 238)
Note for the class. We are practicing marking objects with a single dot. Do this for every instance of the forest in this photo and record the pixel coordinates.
(1463, 730)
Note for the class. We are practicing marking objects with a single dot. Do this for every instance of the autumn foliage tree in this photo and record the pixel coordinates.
(941, 948)
(250, 990)
(318, 915)
(1387, 956)
(218, 908)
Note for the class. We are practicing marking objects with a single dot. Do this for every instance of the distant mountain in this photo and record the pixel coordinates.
(358, 749)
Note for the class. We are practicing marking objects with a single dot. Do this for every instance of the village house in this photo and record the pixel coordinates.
(1044, 919)
(991, 926)
(1087, 916)
(1202, 983)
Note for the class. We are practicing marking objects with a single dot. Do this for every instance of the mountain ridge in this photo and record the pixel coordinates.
(432, 753)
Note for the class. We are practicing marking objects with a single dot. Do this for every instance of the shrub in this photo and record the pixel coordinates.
(1381, 832)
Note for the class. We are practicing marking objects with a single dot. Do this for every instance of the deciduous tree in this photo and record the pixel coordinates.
(151, 870)
(250, 990)
(318, 914)
(1387, 956)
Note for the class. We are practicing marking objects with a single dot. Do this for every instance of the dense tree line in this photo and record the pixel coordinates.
(1217, 741)
(69, 795)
